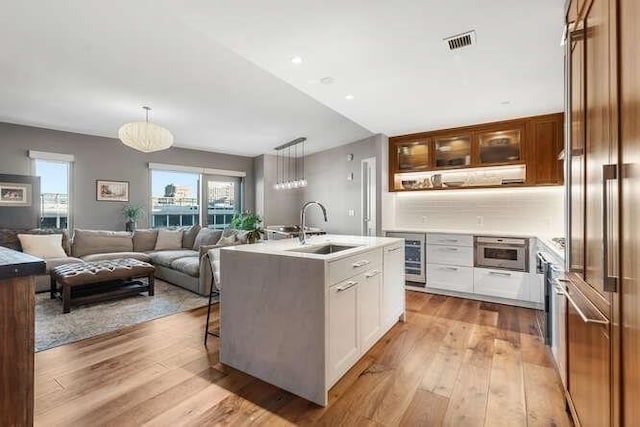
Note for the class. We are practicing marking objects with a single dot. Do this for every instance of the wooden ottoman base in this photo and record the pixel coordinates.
(101, 280)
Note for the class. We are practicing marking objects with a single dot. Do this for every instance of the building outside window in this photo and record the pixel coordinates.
(55, 180)
(175, 198)
(223, 201)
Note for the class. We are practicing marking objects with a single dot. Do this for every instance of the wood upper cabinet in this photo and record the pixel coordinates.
(501, 145)
(546, 134)
(412, 155)
(533, 142)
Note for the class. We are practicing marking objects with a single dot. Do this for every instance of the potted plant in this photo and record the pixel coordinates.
(132, 214)
(249, 223)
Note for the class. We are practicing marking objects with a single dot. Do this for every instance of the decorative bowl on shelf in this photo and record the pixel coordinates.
(409, 184)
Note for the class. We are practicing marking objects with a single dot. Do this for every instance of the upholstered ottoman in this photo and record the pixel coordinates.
(115, 276)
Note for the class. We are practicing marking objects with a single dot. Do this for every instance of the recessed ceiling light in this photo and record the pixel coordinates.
(296, 60)
(349, 97)
(327, 80)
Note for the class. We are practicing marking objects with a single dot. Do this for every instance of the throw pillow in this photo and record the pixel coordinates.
(42, 246)
(227, 241)
(206, 237)
(169, 239)
(189, 236)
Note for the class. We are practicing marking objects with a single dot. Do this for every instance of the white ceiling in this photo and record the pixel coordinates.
(390, 55)
(88, 66)
(215, 70)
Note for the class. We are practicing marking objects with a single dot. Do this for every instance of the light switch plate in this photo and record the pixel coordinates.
(351, 212)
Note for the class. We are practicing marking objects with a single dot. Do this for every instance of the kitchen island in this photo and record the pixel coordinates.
(300, 316)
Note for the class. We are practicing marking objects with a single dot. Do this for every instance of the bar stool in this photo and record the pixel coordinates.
(215, 289)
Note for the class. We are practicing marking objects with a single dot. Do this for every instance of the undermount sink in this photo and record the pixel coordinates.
(323, 249)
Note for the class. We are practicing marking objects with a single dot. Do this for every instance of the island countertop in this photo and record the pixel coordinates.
(287, 247)
(18, 264)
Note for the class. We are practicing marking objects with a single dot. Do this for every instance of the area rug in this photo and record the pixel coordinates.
(53, 328)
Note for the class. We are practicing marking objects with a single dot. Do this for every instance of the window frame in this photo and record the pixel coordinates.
(57, 158)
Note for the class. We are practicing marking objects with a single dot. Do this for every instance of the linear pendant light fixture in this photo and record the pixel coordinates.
(290, 165)
(145, 136)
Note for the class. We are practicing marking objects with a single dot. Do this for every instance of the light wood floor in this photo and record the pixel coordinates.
(454, 362)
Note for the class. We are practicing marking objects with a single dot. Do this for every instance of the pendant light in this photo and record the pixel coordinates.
(145, 136)
(291, 164)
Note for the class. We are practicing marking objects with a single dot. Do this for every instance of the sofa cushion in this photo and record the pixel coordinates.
(227, 240)
(169, 239)
(52, 263)
(189, 235)
(206, 237)
(187, 265)
(9, 238)
(144, 240)
(140, 256)
(165, 258)
(87, 242)
(42, 246)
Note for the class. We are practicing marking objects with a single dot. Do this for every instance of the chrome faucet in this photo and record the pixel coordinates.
(302, 236)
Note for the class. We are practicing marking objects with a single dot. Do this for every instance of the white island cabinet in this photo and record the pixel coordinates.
(299, 317)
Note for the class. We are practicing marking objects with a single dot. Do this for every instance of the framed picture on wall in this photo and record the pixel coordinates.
(112, 191)
(15, 194)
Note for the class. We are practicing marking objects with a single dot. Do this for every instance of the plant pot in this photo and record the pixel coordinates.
(130, 226)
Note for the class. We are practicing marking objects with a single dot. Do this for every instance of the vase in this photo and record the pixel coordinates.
(130, 226)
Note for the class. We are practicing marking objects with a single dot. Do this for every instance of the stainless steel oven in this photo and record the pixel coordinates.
(506, 253)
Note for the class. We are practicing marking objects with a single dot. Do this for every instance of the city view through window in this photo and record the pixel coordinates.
(54, 193)
(175, 200)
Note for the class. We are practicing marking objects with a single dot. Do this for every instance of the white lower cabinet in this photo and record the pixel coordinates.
(392, 285)
(369, 310)
(500, 283)
(344, 348)
(450, 278)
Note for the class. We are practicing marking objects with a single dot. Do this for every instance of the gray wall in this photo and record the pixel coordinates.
(277, 207)
(107, 158)
(327, 173)
(19, 217)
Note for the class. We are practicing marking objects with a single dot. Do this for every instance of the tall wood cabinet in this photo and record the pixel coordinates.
(603, 153)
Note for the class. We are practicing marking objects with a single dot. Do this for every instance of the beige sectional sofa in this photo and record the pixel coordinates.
(187, 267)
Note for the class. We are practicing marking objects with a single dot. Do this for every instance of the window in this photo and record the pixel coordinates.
(175, 198)
(223, 200)
(55, 180)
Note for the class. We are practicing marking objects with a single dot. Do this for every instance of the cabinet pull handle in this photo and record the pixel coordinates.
(373, 273)
(394, 249)
(361, 263)
(497, 273)
(609, 173)
(348, 285)
(449, 249)
(450, 268)
(583, 316)
(558, 291)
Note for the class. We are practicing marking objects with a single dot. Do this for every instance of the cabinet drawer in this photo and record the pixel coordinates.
(449, 239)
(345, 268)
(450, 278)
(451, 255)
(501, 283)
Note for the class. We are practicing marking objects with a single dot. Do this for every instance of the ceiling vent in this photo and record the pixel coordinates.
(460, 41)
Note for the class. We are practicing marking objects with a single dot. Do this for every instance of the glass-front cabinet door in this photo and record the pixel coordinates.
(453, 151)
(500, 147)
(413, 156)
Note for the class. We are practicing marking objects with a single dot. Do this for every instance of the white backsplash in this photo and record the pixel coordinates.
(538, 211)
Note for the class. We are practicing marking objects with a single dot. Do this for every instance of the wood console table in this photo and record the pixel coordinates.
(17, 325)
